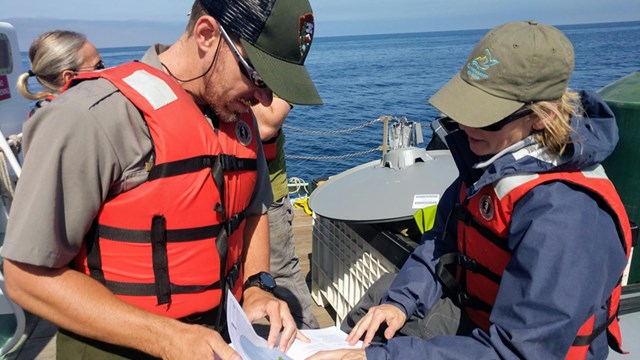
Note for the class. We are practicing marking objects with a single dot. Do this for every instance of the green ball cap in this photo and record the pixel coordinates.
(515, 64)
(281, 49)
(277, 36)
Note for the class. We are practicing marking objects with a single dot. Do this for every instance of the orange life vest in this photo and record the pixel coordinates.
(160, 246)
(483, 230)
(270, 147)
(40, 103)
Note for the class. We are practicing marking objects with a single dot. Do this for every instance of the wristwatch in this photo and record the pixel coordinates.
(263, 280)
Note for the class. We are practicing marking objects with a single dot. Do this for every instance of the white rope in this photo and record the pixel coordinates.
(331, 157)
(299, 183)
(321, 132)
(334, 132)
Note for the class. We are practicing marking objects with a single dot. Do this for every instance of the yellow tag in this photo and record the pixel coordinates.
(425, 218)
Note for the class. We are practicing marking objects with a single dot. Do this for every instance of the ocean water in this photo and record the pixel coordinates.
(361, 78)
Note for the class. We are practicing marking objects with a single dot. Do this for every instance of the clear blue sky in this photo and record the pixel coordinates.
(162, 21)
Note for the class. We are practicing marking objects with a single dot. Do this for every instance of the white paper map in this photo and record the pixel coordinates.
(252, 347)
(331, 338)
(244, 338)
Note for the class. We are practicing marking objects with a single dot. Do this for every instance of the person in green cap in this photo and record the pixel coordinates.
(143, 197)
(284, 262)
(531, 240)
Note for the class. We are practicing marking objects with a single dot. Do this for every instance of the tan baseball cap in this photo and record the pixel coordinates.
(513, 65)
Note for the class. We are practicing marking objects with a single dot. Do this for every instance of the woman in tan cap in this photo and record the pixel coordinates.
(530, 242)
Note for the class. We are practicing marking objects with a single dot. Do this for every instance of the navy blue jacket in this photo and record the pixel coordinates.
(566, 256)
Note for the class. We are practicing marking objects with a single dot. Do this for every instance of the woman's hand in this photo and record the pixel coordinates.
(369, 324)
(339, 355)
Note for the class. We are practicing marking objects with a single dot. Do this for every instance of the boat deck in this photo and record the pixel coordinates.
(39, 343)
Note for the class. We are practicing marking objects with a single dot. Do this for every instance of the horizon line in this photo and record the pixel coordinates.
(320, 37)
(421, 32)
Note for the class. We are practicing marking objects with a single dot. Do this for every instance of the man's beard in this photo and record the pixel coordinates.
(218, 101)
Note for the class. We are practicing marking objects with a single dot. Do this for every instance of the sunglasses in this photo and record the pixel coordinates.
(244, 64)
(519, 114)
(98, 66)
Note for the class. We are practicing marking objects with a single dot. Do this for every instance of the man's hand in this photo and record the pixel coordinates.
(390, 314)
(198, 342)
(259, 303)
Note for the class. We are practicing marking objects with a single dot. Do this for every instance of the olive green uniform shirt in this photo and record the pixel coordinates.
(278, 170)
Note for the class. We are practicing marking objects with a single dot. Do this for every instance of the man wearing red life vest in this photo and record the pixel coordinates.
(530, 241)
(144, 192)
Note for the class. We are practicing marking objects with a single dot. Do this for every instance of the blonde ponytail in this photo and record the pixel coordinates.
(23, 88)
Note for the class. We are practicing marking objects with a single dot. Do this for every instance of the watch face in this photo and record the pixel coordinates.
(267, 280)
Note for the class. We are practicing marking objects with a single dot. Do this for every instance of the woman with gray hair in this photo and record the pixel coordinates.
(56, 56)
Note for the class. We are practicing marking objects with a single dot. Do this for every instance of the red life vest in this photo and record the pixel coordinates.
(159, 246)
(483, 230)
(270, 147)
(40, 103)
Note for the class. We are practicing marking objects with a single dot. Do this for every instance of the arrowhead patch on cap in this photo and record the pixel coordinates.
(306, 34)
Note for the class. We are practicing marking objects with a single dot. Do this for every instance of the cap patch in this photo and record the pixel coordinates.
(243, 132)
(305, 32)
(476, 69)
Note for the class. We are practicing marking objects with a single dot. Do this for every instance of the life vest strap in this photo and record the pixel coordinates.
(235, 221)
(158, 237)
(222, 245)
(234, 163)
(234, 273)
(160, 259)
(586, 340)
(452, 287)
(172, 235)
(94, 259)
(194, 164)
(150, 289)
(217, 174)
(467, 218)
(467, 263)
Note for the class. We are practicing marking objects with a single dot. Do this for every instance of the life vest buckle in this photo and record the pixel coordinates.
(462, 299)
(468, 263)
(233, 223)
(228, 162)
(234, 273)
